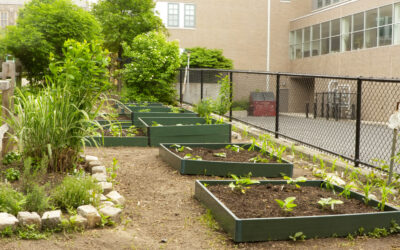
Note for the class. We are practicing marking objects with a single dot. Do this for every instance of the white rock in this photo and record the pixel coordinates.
(100, 177)
(94, 163)
(106, 204)
(335, 179)
(27, 218)
(7, 220)
(113, 213)
(51, 219)
(80, 221)
(90, 158)
(106, 186)
(103, 197)
(236, 135)
(115, 197)
(372, 197)
(99, 170)
(90, 213)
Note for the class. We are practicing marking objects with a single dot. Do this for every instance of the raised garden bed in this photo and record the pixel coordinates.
(136, 115)
(255, 227)
(123, 139)
(234, 163)
(185, 130)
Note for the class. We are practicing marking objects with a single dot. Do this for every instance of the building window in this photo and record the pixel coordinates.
(173, 14)
(306, 42)
(345, 33)
(3, 19)
(335, 36)
(396, 37)
(385, 25)
(325, 38)
(190, 16)
(316, 40)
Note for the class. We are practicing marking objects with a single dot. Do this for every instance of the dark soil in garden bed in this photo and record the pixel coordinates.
(259, 201)
(124, 132)
(119, 118)
(207, 154)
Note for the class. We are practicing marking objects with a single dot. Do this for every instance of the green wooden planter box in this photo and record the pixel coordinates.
(136, 115)
(124, 123)
(222, 168)
(187, 132)
(110, 141)
(128, 106)
(280, 228)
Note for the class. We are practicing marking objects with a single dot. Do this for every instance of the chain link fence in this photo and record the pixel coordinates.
(343, 116)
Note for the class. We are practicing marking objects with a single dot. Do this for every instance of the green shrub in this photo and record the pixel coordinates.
(11, 157)
(11, 201)
(76, 191)
(240, 105)
(12, 174)
(206, 58)
(152, 70)
(33, 172)
(204, 108)
(36, 199)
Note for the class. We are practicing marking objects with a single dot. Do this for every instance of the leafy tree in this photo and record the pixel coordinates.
(123, 20)
(42, 28)
(207, 58)
(151, 72)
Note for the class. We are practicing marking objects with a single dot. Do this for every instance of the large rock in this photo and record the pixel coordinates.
(51, 219)
(106, 204)
(112, 212)
(90, 158)
(115, 197)
(99, 170)
(91, 214)
(100, 177)
(94, 163)
(80, 221)
(7, 220)
(27, 218)
(106, 187)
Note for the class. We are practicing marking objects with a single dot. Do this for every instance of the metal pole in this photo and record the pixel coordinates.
(327, 111)
(394, 142)
(278, 78)
(230, 95)
(315, 110)
(358, 124)
(201, 85)
(307, 108)
(180, 87)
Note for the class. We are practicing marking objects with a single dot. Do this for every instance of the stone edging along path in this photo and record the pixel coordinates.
(87, 215)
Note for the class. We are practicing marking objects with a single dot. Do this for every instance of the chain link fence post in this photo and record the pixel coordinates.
(180, 86)
(230, 94)
(278, 77)
(358, 124)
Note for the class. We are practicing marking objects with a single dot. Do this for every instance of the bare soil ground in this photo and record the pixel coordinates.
(161, 213)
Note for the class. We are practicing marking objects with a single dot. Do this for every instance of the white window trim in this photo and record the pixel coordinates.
(194, 16)
(168, 23)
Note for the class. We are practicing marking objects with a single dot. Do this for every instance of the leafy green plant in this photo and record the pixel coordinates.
(76, 191)
(294, 182)
(144, 110)
(209, 220)
(385, 191)
(106, 221)
(258, 159)
(279, 153)
(177, 110)
(12, 174)
(11, 201)
(132, 131)
(204, 108)
(299, 236)
(112, 171)
(234, 147)
(222, 155)
(33, 172)
(37, 199)
(116, 130)
(192, 157)
(253, 144)
(31, 232)
(201, 57)
(223, 103)
(156, 124)
(241, 184)
(347, 190)
(367, 189)
(7, 232)
(11, 157)
(179, 148)
(288, 204)
(324, 202)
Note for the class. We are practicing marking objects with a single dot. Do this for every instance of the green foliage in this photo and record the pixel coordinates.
(385, 191)
(37, 199)
(234, 148)
(222, 155)
(12, 174)
(287, 205)
(122, 21)
(33, 172)
(42, 28)
(7, 232)
(367, 189)
(204, 108)
(11, 201)
(112, 171)
(347, 190)
(206, 58)
(192, 157)
(324, 202)
(259, 159)
(11, 157)
(209, 220)
(151, 73)
(297, 236)
(106, 221)
(240, 105)
(294, 182)
(76, 191)
(31, 232)
(132, 131)
(241, 184)
(179, 148)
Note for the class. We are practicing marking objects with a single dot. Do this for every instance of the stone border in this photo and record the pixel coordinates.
(87, 215)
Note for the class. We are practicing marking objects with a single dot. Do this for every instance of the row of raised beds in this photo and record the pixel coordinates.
(246, 209)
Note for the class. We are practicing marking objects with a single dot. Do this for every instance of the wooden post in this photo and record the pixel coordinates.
(7, 87)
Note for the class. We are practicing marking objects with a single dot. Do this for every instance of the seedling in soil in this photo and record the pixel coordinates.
(253, 144)
(279, 153)
(329, 185)
(291, 181)
(156, 124)
(258, 159)
(367, 188)
(222, 155)
(12, 174)
(11, 157)
(324, 202)
(241, 184)
(179, 148)
(234, 148)
(347, 190)
(192, 157)
(299, 236)
(333, 168)
(116, 129)
(132, 131)
(385, 191)
(287, 205)
(177, 110)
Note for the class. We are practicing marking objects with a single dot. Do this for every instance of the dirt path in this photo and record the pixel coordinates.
(161, 213)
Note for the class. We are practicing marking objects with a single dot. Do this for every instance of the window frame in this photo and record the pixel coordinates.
(185, 15)
(169, 15)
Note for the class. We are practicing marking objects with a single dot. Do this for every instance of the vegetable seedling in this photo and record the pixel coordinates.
(324, 202)
(291, 181)
(287, 205)
(241, 184)
(192, 157)
(222, 155)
